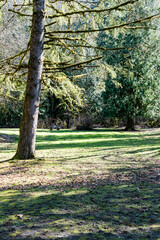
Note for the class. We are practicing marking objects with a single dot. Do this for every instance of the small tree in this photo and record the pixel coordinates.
(63, 101)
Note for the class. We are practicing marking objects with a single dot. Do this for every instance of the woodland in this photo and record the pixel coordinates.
(79, 119)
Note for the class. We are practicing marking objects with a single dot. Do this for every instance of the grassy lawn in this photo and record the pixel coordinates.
(83, 185)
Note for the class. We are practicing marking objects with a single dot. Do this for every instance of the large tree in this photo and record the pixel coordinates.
(133, 91)
(26, 144)
(62, 30)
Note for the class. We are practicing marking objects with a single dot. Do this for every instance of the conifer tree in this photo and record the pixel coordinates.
(132, 93)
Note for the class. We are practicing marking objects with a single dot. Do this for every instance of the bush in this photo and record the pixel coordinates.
(84, 123)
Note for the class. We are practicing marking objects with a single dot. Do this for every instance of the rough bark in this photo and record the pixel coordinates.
(28, 126)
(130, 125)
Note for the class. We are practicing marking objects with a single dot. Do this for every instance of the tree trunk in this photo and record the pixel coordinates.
(130, 126)
(28, 126)
(68, 122)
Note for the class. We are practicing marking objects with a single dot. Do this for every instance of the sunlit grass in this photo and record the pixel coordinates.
(98, 184)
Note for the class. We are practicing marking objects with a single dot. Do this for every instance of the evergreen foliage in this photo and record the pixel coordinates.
(134, 90)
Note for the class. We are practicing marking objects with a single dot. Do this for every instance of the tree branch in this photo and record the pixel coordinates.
(93, 47)
(75, 64)
(107, 28)
(92, 10)
(19, 13)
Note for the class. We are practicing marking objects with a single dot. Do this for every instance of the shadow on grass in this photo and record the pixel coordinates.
(142, 150)
(7, 142)
(117, 207)
(115, 143)
(82, 136)
(94, 139)
(8, 137)
(7, 160)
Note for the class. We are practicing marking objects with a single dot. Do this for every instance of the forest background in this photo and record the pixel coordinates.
(95, 78)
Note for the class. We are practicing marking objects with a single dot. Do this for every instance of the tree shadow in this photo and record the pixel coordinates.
(81, 135)
(145, 150)
(8, 138)
(96, 138)
(124, 205)
(116, 143)
(7, 160)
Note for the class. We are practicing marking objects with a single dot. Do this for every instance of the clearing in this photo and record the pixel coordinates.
(95, 185)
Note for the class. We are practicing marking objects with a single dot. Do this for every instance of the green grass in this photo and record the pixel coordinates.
(101, 184)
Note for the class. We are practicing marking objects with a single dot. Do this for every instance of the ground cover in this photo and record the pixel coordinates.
(101, 184)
